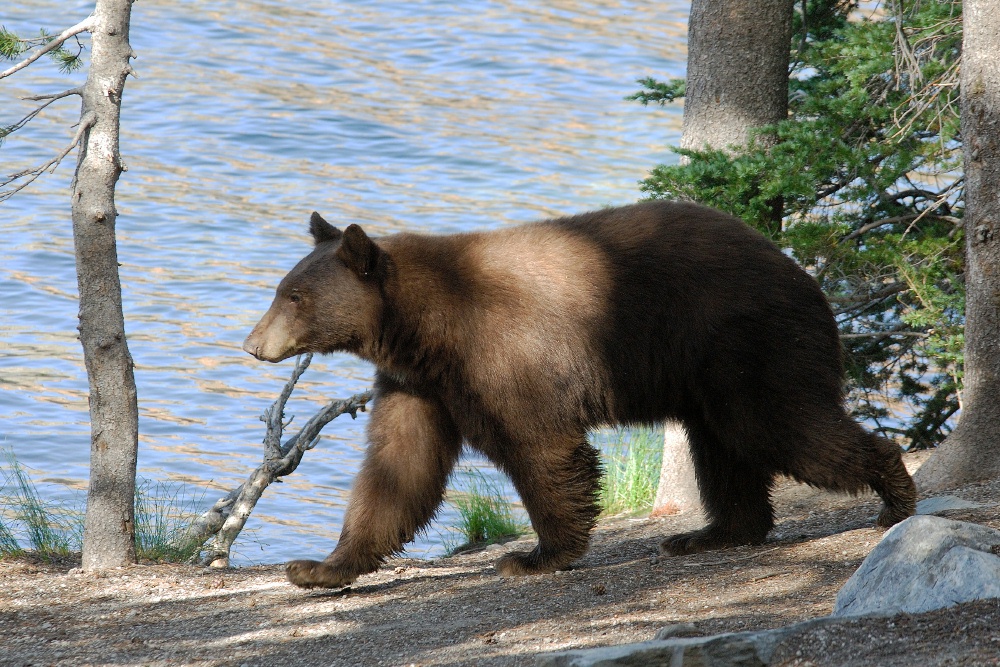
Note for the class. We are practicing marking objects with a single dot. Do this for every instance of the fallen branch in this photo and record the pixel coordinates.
(226, 518)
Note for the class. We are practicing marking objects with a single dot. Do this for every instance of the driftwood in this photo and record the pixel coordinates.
(226, 518)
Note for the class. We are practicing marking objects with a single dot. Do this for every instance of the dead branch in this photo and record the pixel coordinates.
(51, 97)
(38, 98)
(275, 414)
(83, 26)
(885, 334)
(31, 174)
(226, 518)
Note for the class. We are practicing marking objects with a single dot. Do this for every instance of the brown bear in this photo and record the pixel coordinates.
(519, 340)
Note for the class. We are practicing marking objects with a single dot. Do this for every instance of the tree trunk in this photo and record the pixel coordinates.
(737, 79)
(109, 531)
(737, 70)
(972, 452)
(677, 491)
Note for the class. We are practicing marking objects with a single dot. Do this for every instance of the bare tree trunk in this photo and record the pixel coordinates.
(677, 491)
(737, 79)
(737, 70)
(109, 531)
(972, 452)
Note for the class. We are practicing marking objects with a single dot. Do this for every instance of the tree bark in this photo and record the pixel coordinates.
(737, 70)
(677, 491)
(972, 452)
(737, 79)
(109, 531)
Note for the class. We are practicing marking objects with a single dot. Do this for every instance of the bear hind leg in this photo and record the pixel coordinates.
(891, 481)
(559, 488)
(736, 495)
(847, 458)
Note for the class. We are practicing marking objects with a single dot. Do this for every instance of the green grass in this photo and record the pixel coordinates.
(485, 516)
(631, 459)
(53, 532)
(163, 512)
(30, 526)
(631, 470)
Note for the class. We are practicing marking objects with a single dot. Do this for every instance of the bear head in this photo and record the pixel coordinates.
(330, 301)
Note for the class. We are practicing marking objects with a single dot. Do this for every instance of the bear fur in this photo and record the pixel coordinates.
(519, 340)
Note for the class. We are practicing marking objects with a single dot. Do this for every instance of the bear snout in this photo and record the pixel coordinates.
(251, 347)
(272, 339)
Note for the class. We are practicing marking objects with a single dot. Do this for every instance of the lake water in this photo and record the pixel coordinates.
(246, 116)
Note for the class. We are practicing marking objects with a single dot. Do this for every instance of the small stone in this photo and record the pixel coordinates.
(678, 630)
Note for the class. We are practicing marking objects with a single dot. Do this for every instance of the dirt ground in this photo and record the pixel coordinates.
(457, 611)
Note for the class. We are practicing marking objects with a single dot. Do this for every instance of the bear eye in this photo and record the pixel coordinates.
(294, 297)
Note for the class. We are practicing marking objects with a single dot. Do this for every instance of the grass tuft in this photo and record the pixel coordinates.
(163, 512)
(9, 546)
(53, 532)
(485, 516)
(631, 471)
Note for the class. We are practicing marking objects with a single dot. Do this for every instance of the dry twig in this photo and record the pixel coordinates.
(85, 124)
(229, 514)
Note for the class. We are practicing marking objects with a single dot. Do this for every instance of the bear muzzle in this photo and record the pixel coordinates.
(270, 340)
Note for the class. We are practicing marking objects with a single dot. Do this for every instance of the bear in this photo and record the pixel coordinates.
(518, 341)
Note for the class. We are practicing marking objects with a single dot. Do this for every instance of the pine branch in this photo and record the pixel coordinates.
(83, 26)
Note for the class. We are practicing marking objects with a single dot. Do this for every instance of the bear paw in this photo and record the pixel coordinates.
(706, 539)
(523, 563)
(890, 516)
(315, 574)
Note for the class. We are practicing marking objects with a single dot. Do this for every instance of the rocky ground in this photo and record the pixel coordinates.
(457, 611)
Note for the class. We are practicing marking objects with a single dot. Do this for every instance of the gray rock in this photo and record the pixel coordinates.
(738, 649)
(921, 564)
(940, 504)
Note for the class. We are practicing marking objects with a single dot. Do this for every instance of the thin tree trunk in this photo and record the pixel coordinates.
(737, 79)
(109, 531)
(972, 452)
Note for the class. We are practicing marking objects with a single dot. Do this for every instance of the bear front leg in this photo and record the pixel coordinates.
(413, 446)
(559, 485)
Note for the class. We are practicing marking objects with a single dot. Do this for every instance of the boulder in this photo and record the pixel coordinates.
(924, 563)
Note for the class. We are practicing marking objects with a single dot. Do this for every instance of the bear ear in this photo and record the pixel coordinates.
(358, 251)
(322, 230)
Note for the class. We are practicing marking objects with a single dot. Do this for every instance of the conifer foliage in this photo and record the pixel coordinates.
(867, 168)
